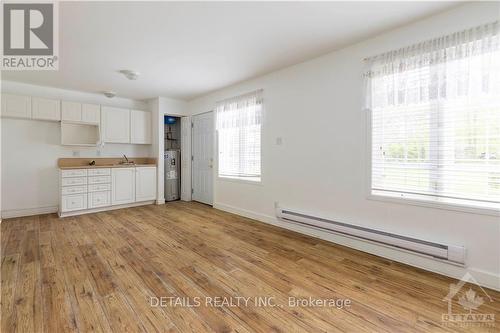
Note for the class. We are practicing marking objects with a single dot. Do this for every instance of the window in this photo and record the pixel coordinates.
(239, 129)
(435, 120)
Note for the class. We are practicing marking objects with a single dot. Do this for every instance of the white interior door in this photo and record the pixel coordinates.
(186, 159)
(202, 153)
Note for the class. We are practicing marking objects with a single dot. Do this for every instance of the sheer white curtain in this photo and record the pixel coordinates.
(238, 126)
(435, 117)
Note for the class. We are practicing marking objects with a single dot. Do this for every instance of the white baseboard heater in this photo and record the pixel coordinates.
(453, 254)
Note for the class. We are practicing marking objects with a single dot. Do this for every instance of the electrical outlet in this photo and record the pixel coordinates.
(76, 153)
(279, 141)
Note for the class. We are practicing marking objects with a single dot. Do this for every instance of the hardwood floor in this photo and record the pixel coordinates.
(101, 272)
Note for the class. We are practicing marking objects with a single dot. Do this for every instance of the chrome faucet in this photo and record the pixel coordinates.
(126, 161)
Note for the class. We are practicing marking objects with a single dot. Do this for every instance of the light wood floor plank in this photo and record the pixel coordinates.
(100, 272)
(10, 271)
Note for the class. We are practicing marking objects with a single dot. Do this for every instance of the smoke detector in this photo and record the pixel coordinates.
(129, 74)
(109, 94)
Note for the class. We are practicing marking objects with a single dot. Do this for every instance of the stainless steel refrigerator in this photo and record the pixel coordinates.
(172, 175)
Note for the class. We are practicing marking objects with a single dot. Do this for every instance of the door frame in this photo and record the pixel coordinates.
(214, 154)
(159, 147)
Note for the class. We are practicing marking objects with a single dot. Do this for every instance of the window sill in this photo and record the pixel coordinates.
(240, 180)
(427, 201)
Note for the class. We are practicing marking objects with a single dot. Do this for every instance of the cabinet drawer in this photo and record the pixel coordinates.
(74, 190)
(99, 172)
(99, 187)
(74, 181)
(99, 199)
(99, 179)
(74, 202)
(74, 173)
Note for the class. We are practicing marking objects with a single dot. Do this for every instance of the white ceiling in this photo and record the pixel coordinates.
(184, 50)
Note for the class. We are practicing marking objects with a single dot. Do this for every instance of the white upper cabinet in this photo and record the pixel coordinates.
(115, 125)
(16, 106)
(81, 113)
(91, 113)
(123, 186)
(145, 183)
(46, 109)
(71, 111)
(140, 127)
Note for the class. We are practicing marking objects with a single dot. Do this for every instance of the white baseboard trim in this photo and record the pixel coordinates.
(103, 209)
(160, 201)
(11, 213)
(246, 213)
(484, 278)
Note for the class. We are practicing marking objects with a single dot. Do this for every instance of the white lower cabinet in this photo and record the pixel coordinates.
(73, 190)
(74, 202)
(77, 196)
(73, 173)
(145, 183)
(100, 187)
(83, 191)
(122, 186)
(99, 172)
(74, 181)
(99, 180)
(99, 199)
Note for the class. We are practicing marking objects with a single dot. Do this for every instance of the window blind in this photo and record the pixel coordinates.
(238, 123)
(435, 119)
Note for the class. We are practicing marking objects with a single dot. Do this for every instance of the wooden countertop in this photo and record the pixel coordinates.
(104, 162)
(106, 166)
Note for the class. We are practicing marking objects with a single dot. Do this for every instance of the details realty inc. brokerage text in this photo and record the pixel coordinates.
(242, 301)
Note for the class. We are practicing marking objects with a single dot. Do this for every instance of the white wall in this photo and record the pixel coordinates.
(316, 107)
(31, 148)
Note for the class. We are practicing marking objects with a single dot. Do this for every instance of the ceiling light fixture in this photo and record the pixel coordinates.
(109, 94)
(129, 74)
